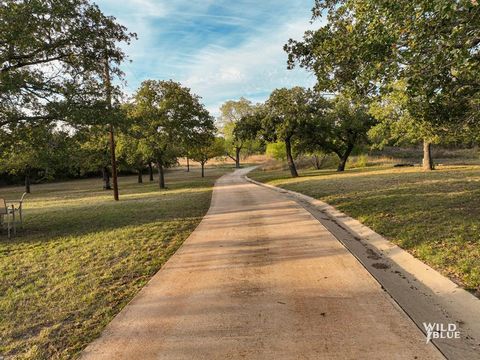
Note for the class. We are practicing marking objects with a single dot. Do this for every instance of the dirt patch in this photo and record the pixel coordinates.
(381, 266)
(373, 255)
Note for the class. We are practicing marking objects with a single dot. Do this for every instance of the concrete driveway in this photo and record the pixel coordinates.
(261, 278)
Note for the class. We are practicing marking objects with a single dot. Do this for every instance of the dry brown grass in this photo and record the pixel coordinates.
(83, 256)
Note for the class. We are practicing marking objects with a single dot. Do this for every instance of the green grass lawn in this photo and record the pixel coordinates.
(434, 215)
(81, 257)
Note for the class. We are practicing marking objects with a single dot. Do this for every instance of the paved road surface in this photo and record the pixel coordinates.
(260, 278)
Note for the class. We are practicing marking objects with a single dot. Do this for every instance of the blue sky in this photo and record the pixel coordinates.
(220, 49)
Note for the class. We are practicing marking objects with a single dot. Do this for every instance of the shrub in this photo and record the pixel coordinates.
(276, 151)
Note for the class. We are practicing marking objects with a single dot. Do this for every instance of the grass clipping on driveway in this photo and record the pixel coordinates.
(434, 215)
(82, 257)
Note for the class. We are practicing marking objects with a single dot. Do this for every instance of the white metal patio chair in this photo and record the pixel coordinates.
(7, 215)
(17, 208)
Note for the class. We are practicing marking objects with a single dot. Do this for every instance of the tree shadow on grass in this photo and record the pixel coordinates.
(73, 220)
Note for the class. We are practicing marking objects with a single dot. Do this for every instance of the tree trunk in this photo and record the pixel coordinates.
(291, 163)
(106, 179)
(203, 169)
(140, 177)
(150, 170)
(161, 175)
(188, 164)
(237, 157)
(344, 158)
(27, 181)
(318, 162)
(427, 156)
(108, 91)
(114, 164)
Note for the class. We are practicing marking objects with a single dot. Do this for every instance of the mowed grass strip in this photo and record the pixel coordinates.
(434, 215)
(82, 257)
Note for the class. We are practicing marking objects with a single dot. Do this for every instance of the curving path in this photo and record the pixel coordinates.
(261, 278)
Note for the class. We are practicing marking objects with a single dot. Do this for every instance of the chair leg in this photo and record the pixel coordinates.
(13, 222)
(21, 218)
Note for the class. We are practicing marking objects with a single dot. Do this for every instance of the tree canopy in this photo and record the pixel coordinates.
(169, 117)
(232, 118)
(286, 111)
(367, 46)
(52, 59)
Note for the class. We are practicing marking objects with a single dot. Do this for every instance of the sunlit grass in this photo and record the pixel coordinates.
(434, 215)
(81, 256)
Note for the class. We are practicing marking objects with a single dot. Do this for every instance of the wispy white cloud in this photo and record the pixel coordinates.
(134, 8)
(221, 49)
(252, 69)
